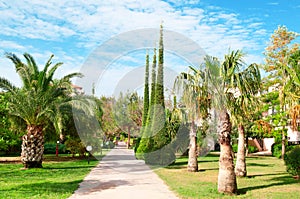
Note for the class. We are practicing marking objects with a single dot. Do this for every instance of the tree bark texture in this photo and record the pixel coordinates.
(240, 169)
(33, 147)
(193, 156)
(227, 178)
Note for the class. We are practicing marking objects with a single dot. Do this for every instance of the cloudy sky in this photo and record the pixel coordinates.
(109, 39)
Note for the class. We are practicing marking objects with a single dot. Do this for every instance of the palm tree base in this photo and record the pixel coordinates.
(33, 164)
(192, 169)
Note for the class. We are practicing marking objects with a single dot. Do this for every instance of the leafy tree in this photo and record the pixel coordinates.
(109, 125)
(127, 113)
(37, 103)
(277, 54)
(10, 137)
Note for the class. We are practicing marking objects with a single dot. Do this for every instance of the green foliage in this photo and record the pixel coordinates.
(277, 147)
(153, 145)
(292, 161)
(146, 93)
(9, 141)
(75, 146)
(10, 137)
(251, 149)
(50, 148)
(145, 143)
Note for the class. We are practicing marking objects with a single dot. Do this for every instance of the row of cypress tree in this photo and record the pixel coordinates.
(153, 146)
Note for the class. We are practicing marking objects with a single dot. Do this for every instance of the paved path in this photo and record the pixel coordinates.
(120, 175)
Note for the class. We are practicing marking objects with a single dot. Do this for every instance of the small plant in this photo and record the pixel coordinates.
(292, 161)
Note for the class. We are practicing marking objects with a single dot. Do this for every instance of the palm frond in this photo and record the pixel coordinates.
(6, 85)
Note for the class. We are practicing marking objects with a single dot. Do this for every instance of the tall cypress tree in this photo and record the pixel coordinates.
(145, 144)
(159, 118)
(146, 92)
(161, 154)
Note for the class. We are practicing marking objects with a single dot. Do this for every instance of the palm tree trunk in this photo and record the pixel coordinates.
(33, 147)
(226, 178)
(240, 169)
(193, 162)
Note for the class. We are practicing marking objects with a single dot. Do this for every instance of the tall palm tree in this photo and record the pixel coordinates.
(242, 109)
(196, 100)
(293, 88)
(37, 102)
(226, 81)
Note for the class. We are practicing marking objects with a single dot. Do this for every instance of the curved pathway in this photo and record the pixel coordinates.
(120, 175)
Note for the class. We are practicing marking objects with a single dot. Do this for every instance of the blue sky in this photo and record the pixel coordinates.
(74, 30)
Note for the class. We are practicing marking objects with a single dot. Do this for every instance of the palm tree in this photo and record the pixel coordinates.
(196, 100)
(38, 102)
(226, 80)
(293, 89)
(242, 109)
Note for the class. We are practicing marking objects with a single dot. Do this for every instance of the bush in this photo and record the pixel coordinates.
(292, 161)
(235, 148)
(276, 149)
(251, 149)
(50, 148)
(75, 146)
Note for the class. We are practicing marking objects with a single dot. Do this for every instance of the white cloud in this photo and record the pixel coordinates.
(84, 25)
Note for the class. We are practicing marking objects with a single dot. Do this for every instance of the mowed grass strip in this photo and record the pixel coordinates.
(267, 178)
(54, 180)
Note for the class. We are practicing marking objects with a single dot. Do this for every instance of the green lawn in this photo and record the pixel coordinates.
(267, 178)
(55, 180)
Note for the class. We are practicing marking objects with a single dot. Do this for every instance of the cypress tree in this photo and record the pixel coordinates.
(160, 154)
(146, 102)
(146, 92)
(145, 144)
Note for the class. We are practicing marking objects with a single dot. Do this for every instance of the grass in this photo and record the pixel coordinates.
(58, 178)
(266, 178)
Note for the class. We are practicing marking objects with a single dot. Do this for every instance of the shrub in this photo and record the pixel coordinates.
(235, 148)
(75, 146)
(292, 161)
(251, 149)
(50, 148)
(276, 149)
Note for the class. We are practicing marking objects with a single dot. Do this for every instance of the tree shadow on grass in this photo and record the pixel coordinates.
(68, 167)
(259, 165)
(278, 181)
(269, 174)
(34, 189)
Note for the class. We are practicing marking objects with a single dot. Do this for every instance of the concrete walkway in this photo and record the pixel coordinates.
(120, 175)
